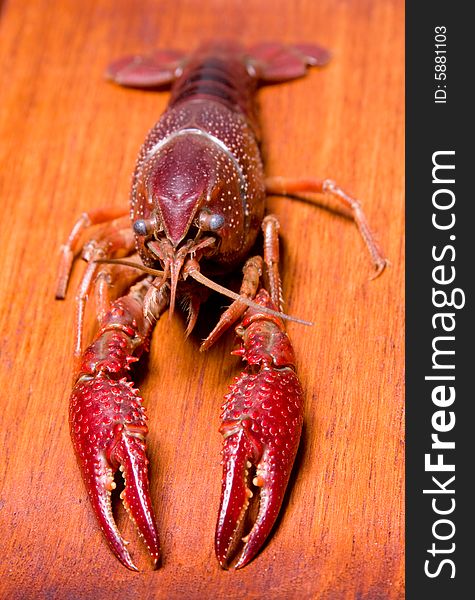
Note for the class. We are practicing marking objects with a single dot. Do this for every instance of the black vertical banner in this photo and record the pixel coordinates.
(440, 328)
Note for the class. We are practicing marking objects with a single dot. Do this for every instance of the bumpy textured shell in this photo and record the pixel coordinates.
(204, 153)
(261, 422)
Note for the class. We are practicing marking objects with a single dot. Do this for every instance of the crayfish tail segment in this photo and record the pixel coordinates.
(146, 71)
(276, 62)
(261, 424)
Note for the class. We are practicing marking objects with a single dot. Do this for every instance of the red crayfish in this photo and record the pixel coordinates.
(197, 206)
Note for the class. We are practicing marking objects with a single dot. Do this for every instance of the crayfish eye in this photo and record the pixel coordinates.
(146, 227)
(140, 227)
(210, 221)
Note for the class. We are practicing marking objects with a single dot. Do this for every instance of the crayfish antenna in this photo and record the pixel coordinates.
(195, 274)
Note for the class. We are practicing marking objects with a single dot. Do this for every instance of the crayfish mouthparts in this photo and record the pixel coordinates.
(196, 274)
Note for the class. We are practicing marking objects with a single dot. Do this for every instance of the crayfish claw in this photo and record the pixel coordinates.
(99, 480)
(256, 470)
(108, 431)
(235, 498)
(270, 501)
(136, 496)
(261, 424)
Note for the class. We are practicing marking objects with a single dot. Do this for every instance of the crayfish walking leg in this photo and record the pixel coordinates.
(261, 422)
(286, 186)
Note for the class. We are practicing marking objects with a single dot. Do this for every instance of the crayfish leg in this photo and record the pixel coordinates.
(70, 249)
(270, 229)
(112, 240)
(252, 272)
(285, 186)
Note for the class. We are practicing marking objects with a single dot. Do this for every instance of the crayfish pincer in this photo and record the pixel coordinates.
(197, 205)
(262, 422)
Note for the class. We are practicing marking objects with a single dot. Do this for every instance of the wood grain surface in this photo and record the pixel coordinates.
(68, 144)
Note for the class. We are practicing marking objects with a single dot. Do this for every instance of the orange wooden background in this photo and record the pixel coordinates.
(68, 144)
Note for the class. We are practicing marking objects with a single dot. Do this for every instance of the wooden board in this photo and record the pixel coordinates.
(68, 144)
